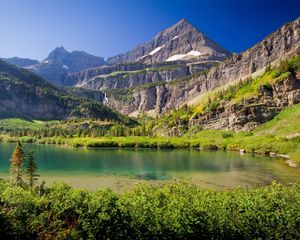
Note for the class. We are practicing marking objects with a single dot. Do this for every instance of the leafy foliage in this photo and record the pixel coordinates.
(174, 211)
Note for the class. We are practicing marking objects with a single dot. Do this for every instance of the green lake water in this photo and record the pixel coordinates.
(207, 168)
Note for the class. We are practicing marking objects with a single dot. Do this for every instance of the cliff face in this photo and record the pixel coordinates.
(179, 42)
(281, 44)
(87, 76)
(147, 73)
(138, 78)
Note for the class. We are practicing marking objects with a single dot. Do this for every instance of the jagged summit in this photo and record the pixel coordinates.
(181, 41)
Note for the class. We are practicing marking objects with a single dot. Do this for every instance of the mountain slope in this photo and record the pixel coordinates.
(25, 95)
(179, 42)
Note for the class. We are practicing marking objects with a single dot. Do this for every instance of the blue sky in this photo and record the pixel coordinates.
(33, 28)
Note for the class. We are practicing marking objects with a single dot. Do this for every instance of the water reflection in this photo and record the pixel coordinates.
(217, 167)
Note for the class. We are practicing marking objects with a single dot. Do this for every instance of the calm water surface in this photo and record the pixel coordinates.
(206, 168)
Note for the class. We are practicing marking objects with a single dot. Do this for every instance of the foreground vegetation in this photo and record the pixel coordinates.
(173, 211)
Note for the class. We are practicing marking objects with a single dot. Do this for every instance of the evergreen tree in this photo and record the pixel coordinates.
(16, 163)
(31, 168)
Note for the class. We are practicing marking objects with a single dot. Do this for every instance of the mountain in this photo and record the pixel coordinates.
(21, 62)
(59, 63)
(176, 53)
(26, 95)
(179, 42)
(157, 88)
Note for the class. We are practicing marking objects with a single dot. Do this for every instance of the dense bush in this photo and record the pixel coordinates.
(173, 211)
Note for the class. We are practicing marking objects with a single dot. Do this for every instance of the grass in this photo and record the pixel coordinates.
(284, 124)
(17, 123)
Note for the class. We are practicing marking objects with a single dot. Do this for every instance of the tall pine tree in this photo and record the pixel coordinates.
(31, 168)
(16, 163)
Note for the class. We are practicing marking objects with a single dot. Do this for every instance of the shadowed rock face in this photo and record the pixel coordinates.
(181, 41)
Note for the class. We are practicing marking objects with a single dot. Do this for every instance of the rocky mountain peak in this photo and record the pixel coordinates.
(180, 28)
(181, 41)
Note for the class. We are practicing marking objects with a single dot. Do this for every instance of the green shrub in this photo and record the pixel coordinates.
(173, 211)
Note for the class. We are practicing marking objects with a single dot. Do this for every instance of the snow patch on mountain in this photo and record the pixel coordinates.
(194, 53)
(156, 50)
(176, 57)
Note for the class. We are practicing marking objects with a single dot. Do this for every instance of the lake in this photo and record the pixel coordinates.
(120, 169)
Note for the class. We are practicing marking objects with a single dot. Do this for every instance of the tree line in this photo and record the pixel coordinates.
(93, 131)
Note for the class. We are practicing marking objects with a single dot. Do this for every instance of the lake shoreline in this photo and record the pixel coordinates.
(153, 143)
